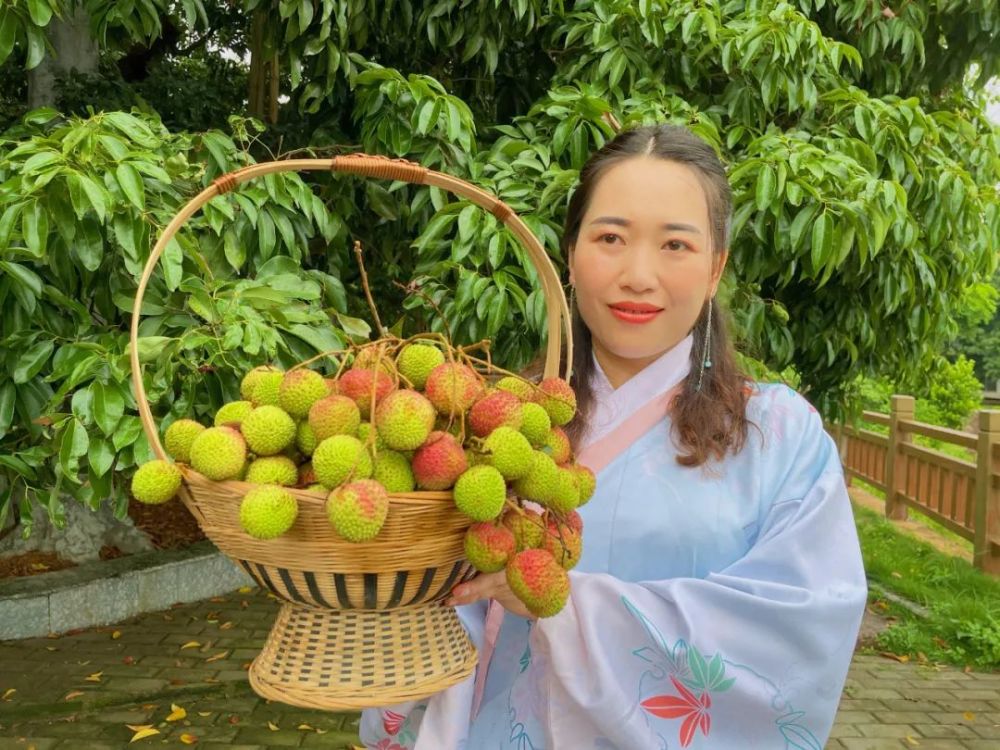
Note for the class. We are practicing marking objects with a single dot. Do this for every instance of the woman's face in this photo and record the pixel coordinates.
(643, 265)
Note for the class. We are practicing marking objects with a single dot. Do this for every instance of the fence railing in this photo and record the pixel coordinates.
(961, 495)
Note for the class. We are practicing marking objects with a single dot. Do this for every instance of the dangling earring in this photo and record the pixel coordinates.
(706, 357)
(572, 298)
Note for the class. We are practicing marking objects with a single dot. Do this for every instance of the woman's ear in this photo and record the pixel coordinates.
(718, 266)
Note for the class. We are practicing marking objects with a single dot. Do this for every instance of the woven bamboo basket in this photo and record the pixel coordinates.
(360, 625)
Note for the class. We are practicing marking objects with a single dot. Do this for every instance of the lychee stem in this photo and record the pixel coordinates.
(368, 292)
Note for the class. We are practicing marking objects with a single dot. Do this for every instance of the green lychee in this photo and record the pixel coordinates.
(586, 480)
(299, 390)
(233, 413)
(392, 469)
(541, 482)
(404, 419)
(368, 435)
(255, 376)
(273, 470)
(527, 527)
(453, 388)
(268, 430)
(509, 452)
(564, 543)
(305, 438)
(521, 388)
(156, 482)
(265, 388)
(357, 510)
(179, 436)
(340, 459)
(219, 453)
(334, 415)
(558, 446)
(538, 581)
(480, 493)
(565, 495)
(268, 512)
(439, 462)
(495, 409)
(558, 400)
(416, 361)
(535, 424)
(489, 546)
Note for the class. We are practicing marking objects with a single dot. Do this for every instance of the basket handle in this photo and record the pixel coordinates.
(378, 167)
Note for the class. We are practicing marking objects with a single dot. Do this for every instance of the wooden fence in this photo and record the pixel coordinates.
(961, 495)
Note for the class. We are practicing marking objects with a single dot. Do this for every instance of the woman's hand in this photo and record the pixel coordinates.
(489, 586)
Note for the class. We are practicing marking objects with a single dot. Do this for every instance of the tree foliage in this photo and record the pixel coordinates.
(864, 172)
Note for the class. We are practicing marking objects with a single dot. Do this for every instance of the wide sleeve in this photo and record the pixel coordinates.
(753, 655)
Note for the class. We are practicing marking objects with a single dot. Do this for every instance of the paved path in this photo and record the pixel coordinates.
(81, 691)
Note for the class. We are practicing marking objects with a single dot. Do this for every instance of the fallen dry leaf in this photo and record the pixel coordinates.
(217, 599)
(272, 726)
(969, 716)
(188, 739)
(896, 574)
(220, 655)
(51, 648)
(7, 693)
(178, 681)
(304, 726)
(204, 713)
(96, 677)
(176, 713)
(116, 635)
(911, 740)
(149, 706)
(901, 658)
(244, 589)
(211, 679)
(72, 694)
(142, 732)
(245, 665)
(168, 618)
(190, 644)
(39, 566)
(226, 626)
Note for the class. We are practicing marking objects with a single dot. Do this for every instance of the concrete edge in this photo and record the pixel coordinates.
(105, 592)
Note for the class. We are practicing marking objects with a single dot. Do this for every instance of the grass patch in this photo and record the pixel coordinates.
(963, 626)
(916, 515)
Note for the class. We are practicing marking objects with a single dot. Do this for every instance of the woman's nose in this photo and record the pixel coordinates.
(638, 273)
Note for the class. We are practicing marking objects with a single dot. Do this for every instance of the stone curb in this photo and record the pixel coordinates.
(105, 592)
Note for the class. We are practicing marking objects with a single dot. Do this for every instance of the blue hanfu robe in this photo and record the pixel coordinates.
(713, 608)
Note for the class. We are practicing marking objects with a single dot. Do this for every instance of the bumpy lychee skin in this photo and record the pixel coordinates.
(480, 493)
(233, 413)
(453, 388)
(404, 420)
(416, 361)
(535, 424)
(574, 521)
(439, 462)
(519, 387)
(255, 376)
(268, 430)
(489, 546)
(156, 482)
(586, 481)
(332, 387)
(357, 385)
(179, 436)
(393, 470)
(300, 389)
(541, 482)
(372, 356)
(558, 400)
(538, 581)
(334, 415)
(495, 409)
(273, 470)
(564, 543)
(558, 446)
(219, 453)
(527, 527)
(565, 495)
(357, 510)
(268, 512)
(365, 432)
(340, 459)
(305, 438)
(509, 452)
(265, 389)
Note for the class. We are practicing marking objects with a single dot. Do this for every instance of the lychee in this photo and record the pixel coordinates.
(521, 388)
(527, 527)
(538, 581)
(334, 415)
(233, 413)
(558, 446)
(489, 546)
(535, 424)
(509, 452)
(480, 493)
(255, 376)
(565, 495)
(358, 385)
(179, 436)
(404, 420)
(542, 480)
(558, 400)
(453, 388)
(268, 512)
(372, 356)
(219, 453)
(563, 542)
(393, 470)
(300, 389)
(305, 438)
(264, 389)
(586, 480)
(268, 430)
(416, 361)
(495, 409)
(156, 482)
(273, 470)
(439, 462)
(339, 459)
(357, 510)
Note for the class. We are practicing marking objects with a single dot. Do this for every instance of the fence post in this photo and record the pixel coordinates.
(986, 514)
(900, 408)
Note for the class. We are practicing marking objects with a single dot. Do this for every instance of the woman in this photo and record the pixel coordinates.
(721, 588)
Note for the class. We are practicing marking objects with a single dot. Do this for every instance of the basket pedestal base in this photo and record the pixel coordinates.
(349, 659)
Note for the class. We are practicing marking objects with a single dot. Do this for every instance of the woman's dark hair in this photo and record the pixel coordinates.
(711, 421)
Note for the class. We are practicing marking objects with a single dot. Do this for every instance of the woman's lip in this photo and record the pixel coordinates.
(633, 316)
(635, 307)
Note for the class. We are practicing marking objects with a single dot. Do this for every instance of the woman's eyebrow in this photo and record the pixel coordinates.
(670, 226)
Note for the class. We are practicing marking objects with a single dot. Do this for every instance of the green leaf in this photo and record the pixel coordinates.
(32, 361)
(35, 226)
(74, 444)
(7, 395)
(764, 193)
(131, 185)
(40, 12)
(8, 32)
(802, 220)
(127, 432)
(822, 239)
(150, 347)
(108, 407)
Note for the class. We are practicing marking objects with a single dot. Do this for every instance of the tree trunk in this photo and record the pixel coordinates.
(74, 49)
(262, 97)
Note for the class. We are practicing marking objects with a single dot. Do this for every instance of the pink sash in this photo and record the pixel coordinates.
(596, 456)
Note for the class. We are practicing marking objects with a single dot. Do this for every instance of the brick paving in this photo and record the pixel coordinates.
(195, 656)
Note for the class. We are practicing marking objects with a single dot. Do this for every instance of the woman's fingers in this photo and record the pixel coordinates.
(483, 586)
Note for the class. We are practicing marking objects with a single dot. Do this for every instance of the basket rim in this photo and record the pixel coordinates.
(377, 167)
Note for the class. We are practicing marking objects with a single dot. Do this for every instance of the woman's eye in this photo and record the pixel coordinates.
(676, 245)
(608, 238)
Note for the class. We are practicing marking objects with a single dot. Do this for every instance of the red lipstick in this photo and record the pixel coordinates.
(634, 312)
